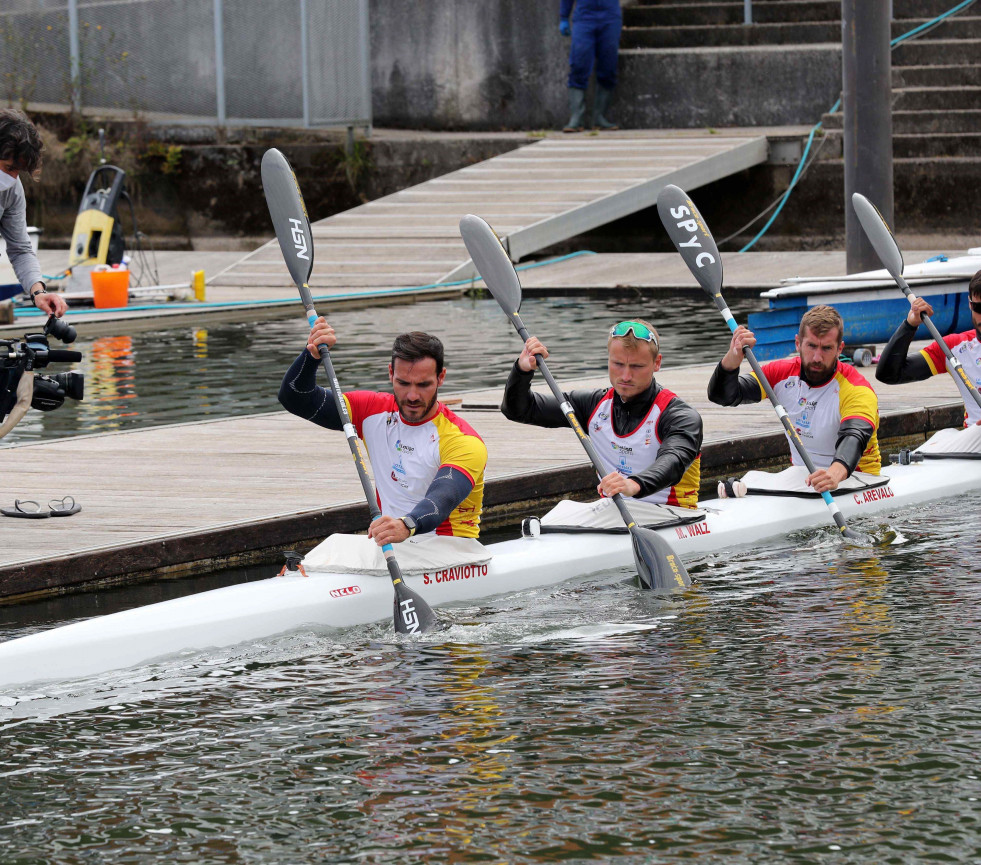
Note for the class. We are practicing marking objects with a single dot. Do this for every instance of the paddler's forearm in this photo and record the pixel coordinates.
(854, 435)
(450, 487)
(300, 394)
(895, 365)
(522, 405)
(729, 388)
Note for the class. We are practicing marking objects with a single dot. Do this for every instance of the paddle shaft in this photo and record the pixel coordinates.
(957, 370)
(788, 425)
(570, 416)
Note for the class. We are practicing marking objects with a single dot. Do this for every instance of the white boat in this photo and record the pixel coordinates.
(257, 610)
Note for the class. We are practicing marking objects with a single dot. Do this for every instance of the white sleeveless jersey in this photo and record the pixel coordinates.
(967, 349)
(636, 451)
(817, 412)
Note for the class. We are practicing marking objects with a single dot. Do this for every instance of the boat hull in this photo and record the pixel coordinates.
(260, 609)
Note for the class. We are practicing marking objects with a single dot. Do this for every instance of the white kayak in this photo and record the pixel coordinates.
(256, 610)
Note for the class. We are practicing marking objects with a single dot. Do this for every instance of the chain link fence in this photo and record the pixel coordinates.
(228, 62)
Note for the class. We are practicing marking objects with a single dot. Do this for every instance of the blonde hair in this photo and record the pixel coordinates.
(821, 320)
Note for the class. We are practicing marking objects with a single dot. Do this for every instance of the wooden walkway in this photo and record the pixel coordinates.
(534, 197)
(155, 500)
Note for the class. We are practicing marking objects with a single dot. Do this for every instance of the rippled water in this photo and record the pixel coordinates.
(804, 702)
(190, 373)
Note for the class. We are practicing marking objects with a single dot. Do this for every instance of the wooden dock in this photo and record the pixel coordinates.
(533, 197)
(182, 499)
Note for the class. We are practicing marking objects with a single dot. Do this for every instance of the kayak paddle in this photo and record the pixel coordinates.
(886, 247)
(289, 216)
(657, 564)
(691, 237)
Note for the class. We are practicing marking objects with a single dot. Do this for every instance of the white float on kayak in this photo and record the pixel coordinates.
(257, 610)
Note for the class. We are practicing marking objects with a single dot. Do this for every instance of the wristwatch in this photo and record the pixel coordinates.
(410, 524)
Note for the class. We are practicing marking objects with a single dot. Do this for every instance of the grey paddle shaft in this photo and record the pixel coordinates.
(886, 247)
(570, 415)
(691, 237)
(289, 216)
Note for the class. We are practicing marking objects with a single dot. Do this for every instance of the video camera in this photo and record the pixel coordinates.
(34, 353)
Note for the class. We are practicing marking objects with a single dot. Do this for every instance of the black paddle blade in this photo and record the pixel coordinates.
(879, 235)
(492, 262)
(691, 237)
(289, 218)
(412, 614)
(658, 566)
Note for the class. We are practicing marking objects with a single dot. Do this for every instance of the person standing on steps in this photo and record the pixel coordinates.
(595, 30)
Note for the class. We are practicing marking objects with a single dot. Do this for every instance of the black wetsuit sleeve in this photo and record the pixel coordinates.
(522, 405)
(300, 394)
(680, 431)
(854, 436)
(450, 487)
(728, 387)
(895, 365)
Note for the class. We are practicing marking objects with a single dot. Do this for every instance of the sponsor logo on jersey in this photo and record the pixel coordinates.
(404, 448)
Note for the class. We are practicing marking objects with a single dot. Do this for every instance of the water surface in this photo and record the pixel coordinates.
(804, 702)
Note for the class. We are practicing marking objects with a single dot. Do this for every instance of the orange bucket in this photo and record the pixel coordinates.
(110, 288)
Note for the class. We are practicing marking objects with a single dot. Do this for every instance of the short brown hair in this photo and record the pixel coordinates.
(19, 141)
(821, 320)
(415, 345)
(974, 288)
(631, 341)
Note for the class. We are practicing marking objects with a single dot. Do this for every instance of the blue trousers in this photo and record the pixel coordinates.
(599, 39)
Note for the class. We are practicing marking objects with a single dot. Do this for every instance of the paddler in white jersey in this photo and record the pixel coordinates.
(897, 367)
(647, 437)
(428, 463)
(832, 406)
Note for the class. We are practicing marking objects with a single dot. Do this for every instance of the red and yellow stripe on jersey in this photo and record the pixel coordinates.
(967, 349)
(817, 412)
(405, 457)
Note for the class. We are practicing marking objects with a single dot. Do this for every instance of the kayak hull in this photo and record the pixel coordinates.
(257, 610)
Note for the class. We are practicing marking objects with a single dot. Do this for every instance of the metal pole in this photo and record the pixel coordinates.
(74, 57)
(219, 63)
(747, 11)
(867, 105)
(305, 61)
(365, 61)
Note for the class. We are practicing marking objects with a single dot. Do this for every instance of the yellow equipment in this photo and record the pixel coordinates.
(97, 237)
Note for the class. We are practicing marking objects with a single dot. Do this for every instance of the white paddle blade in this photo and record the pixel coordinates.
(492, 262)
(691, 237)
(879, 235)
(289, 218)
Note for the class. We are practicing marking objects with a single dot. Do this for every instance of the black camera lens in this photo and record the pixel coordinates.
(73, 383)
(60, 329)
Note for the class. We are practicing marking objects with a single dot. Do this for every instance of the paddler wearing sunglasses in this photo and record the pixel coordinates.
(897, 367)
(647, 437)
(428, 463)
(832, 406)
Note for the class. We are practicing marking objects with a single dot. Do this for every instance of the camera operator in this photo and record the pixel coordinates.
(20, 153)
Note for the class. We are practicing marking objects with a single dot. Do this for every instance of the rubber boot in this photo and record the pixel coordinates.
(600, 104)
(577, 110)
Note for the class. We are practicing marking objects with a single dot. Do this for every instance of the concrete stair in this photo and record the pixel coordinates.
(697, 59)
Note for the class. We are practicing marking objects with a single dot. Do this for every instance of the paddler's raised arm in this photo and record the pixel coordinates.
(895, 365)
(727, 386)
(299, 393)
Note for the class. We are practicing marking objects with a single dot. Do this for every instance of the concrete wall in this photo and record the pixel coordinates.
(465, 64)
(468, 64)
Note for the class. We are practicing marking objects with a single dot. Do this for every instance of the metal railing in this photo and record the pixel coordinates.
(229, 62)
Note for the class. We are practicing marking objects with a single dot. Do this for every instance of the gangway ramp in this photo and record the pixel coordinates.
(534, 197)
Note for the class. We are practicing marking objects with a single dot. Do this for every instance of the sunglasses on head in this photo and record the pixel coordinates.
(975, 305)
(640, 331)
